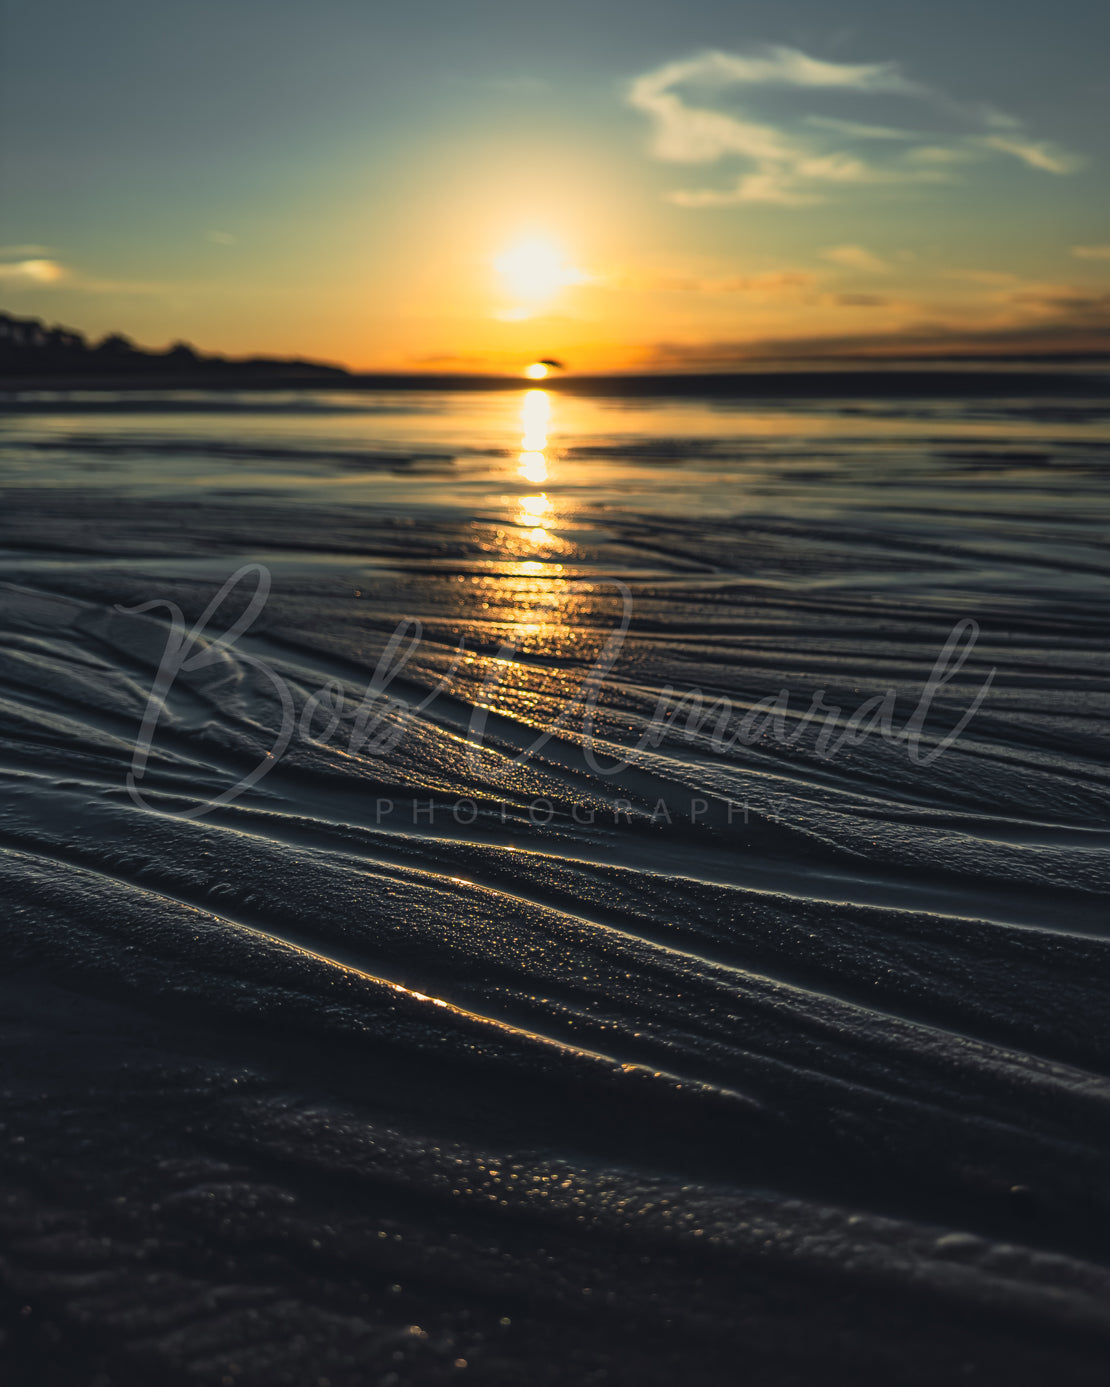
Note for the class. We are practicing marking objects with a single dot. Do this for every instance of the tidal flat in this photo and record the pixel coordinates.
(614, 891)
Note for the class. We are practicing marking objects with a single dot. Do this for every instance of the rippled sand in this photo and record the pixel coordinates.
(537, 1031)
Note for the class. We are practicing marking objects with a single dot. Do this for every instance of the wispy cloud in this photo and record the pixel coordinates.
(770, 286)
(1078, 303)
(914, 341)
(44, 273)
(795, 163)
(997, 278)
(856, 258)
(1091, 252)
(773, 285)
(30, 272)
(862, 301)
(768, 186)
(1007, 316)
(1006, 297)
(1038, 154)
(858, 130)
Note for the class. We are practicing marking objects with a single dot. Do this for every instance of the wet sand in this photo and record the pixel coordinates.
(571, 1007)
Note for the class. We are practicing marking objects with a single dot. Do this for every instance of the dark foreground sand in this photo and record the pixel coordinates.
(743, 1063)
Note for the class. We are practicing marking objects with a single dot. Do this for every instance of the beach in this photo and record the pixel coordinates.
(558, 887)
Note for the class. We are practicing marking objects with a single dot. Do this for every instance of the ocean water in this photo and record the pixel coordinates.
(587, 890)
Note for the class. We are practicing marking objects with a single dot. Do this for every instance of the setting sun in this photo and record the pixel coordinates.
(534, 269)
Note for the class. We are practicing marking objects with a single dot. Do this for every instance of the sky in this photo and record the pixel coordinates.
(650, 185)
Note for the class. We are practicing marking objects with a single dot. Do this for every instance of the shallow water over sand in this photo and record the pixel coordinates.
(584, 1003)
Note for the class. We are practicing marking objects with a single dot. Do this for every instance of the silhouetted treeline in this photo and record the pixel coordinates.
(29, 348)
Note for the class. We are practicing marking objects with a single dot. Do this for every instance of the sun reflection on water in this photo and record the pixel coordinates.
(533, 465)
(535, 414)
(533, 468)
(533, 509)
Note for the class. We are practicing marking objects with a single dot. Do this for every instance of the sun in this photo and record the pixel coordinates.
(537, 370)
(533, 271)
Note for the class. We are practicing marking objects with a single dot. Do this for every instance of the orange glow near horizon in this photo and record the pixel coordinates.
(516, 194)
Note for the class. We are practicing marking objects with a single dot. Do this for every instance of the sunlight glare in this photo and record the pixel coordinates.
(532, 464)
(533, 467)
(533, 509)
(533, 271)
(534, 415)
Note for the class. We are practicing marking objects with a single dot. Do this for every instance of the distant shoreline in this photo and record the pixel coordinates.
(839, 382)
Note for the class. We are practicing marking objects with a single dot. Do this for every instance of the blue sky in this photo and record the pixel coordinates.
(692, 183)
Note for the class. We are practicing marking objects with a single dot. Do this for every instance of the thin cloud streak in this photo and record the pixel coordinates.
(50, 274)
(30, 272)
(771, 285)
(795, 164)
(1038, 154)
(856, 258)
(940, 340)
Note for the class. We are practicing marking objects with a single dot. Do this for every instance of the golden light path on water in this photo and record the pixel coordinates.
(532, 465)
(535, 418)
(531, 601)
